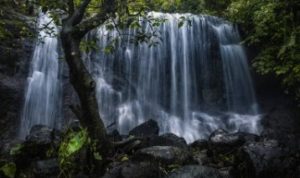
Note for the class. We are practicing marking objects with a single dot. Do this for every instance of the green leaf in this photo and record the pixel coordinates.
(16, 149)
(97, 156)
(124, 158)
(76, 142)
(73, 144)
(9, 170)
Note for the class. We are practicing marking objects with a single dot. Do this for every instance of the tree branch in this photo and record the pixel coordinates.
(77, 16)
(83, 6)
(91, 23)
(107, 10)
(71, 6)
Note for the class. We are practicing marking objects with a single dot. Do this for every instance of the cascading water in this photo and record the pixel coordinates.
(239, 87)
(195, 81)
(43, 97)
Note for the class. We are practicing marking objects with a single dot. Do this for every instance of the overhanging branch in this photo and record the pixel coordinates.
(91, 23)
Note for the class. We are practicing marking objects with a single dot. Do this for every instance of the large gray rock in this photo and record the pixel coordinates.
(115, 136)
(149, 128)
(222, 138)
(221, 141)
(9, 147)
(163, 154)
(194, 171)
(46, 168)
(201, 157)
(167, 139)
(39, 135)
(266, 159)
(38, 142)
(199, 144)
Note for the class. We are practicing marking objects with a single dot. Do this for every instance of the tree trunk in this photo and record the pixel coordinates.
(85, 86)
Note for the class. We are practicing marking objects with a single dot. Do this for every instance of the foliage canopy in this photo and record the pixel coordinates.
(273, 27)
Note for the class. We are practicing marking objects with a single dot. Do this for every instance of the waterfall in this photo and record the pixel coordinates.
(43, 96)
(195, 81)
(239, 87)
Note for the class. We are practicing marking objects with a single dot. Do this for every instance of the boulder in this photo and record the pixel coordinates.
(200, 144)
(9, 147)
(201, 157)
(115, 136)
(195, 171)
(167, 139)
(38, 142)
(134, 170)
(266, 159)
(247, 137)
(46, 168)
(39, 168)
(222, 138)
(163, 154)
(226, 172)
(221, 141)
(149, 128)
(40, 136)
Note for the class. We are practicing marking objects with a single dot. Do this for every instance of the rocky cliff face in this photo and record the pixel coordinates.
(281, 113)
(15, 54)
(16, 50)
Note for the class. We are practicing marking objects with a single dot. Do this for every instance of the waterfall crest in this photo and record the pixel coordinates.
(43, 95)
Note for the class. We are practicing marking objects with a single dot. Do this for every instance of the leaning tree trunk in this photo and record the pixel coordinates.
(84, 85)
